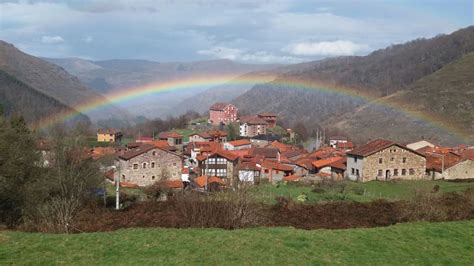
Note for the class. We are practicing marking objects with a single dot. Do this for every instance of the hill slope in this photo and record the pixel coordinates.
(50, 80)
(447, 95)
(18, 98)
(380, 73)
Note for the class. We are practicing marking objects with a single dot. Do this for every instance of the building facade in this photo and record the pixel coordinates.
(384, 160)
(109, 135)
(148, 164)
(222, 113)
(220, 163)
(252, 126)
(270, 118)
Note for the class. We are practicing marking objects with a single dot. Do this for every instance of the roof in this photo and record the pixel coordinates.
(376, 146)
(144, 139)
(339, 164)
(325, 162)
(277, 166)
(137, 151)
(438, 161)
(249, 166)
(240, 142)
(305, 163)
(225, 154)
(165, 135)
(163, 144)
(264, 152)
(219, 106)
(216, 133)
(291, 178)
(345, 145)
(109, 131)
(201, 180)
(174, 184)
(252, 120)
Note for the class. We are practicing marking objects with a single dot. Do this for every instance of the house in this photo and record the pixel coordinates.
(222, 113)
(338, 169)
(249, 172)
(270, 118)
(263, 140)
(174, 139)
(251, 126)
(334, 140)
(274, 171)
(265, 153)
(218, 163)
(211, 182)
(420, 144)
(147, 164)
(238, 144)
(324, 165)
(384, 160)
(109, 135)
(345, 146)
(448, 166)
(211, 135)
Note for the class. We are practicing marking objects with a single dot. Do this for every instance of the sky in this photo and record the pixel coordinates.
(249, 31)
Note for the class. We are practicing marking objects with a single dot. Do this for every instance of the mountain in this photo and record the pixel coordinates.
(17, 98)
(51, 81)
(447, 96)
(381, 73)
(109, 76)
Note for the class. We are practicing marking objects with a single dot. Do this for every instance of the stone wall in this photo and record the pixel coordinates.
(462, 170)
(393, 165)
(148, 173)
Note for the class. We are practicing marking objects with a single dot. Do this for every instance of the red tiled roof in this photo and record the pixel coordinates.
(144, 139)
(128, 185)
(219, 106)
(165, 135)
(322, 174)
(201, 180)
(240, 142)
(267, 153)
(291, 178)
(216, 133)
(306, 163)
(137, 151)
(224, 154)
(325, 162)
(345, 145)
(339, 164)
(241, 153)
(163, 144)
(253, 120)
(249, 166)
(277, 166)
(174, 184)
(375, 146)
(436, 161)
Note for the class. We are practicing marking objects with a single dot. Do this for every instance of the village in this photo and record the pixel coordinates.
(209, 160)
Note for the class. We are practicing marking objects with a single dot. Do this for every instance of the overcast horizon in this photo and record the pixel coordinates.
(244, 31)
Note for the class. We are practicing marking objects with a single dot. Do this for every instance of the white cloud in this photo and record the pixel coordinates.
(335, 48)
(246, 56)
(52, 39)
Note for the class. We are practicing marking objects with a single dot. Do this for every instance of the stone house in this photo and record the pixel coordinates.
(384, 160)
(251, 126)
(274, 172)
(211, 135)
(147, 164)
(222, 113)
(270, 118)
(448, 166)
(109, 135)
(174, 139)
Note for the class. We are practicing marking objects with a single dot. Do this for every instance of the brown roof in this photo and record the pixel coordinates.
(140, 150)
(277, 166)
(219, 106)
(224, 154)
(271, 153)
(165, 135)
(249, 166)
(253, 120)
(438, 161)
(375, 146)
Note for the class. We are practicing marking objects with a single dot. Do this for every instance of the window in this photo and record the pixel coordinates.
(379, 173)
(412, 171)
(221, 172)
(135, 166)
(404, 160)
(123, 177)
(357, 172)
(154, 153)
(153, 165)
(353, 171)
(266, 171)
(380, 160)
(395, 172)
(392, 159)
(277, 171)
(404, 171)
(144, 165)
(153, 177)
(355, 159)
(143, 177)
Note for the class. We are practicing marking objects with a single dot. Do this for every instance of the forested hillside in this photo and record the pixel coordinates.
(17, 98)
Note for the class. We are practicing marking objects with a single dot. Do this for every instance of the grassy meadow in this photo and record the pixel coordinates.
(415, 243)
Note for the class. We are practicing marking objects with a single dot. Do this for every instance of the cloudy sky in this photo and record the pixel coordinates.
(266, 31)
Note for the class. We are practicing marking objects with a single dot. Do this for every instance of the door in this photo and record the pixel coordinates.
(387, 175)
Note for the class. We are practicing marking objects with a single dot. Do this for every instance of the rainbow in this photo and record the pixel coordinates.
(210, 81)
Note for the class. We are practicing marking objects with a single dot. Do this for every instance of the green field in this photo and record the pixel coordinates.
(417, 243)
(354, 191)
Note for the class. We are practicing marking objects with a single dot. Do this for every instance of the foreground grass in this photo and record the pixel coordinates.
(417, 243)
(361, 192)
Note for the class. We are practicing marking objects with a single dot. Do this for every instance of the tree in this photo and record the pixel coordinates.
(232, 130)
(301, 131)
